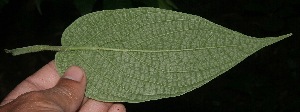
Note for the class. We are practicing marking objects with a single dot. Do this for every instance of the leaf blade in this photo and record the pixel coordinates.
(146, 54)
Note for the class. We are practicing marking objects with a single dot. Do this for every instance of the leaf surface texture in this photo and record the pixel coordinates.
(142, 54)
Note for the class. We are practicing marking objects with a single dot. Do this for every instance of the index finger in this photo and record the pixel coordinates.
(45, 78)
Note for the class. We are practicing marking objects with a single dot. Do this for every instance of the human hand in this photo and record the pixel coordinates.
(45, 90)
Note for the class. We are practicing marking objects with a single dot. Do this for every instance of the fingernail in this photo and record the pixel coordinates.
(74, 73)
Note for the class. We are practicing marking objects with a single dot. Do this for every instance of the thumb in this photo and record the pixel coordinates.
(68, 94)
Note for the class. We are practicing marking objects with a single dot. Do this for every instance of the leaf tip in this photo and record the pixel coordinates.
(12, 51)
(7, 51)
(286, 35)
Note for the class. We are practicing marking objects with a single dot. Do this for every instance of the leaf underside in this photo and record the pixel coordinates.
(142, 54)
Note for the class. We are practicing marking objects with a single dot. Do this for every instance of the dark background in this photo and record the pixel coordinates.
(267, 81)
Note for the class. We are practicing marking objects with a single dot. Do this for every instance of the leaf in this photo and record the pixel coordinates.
(162, 4)
(116, 4)
(3, 3)
(148, 3)
(38, 6)
(142, 54)
(166, 4)
(84, 6)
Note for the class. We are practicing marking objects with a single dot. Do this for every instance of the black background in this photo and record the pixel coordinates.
(268, 80)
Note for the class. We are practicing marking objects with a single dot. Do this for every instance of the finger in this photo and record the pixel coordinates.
(44, 78)
(69, 91)
(95, 106)
(117, 108)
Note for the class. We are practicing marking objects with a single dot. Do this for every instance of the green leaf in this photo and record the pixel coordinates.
(116, 4)
(3, 3)
(38, 6)
(142, 54)
(84, 6)
(148, 3)
(166, 4)
(162, 4)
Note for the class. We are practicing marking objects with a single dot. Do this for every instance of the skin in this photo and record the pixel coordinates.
(46, 91)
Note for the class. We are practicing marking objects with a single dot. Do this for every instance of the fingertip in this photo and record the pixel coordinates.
(95, 106)
(117, 108)
(74, 73)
